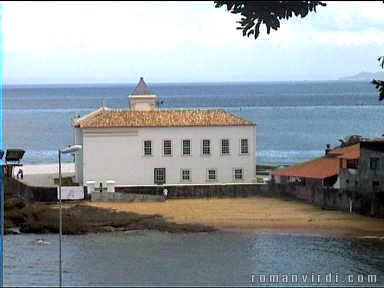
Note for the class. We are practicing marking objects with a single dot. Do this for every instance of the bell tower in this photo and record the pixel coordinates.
(141, 98)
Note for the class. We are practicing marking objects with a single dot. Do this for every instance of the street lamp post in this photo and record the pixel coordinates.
(70, 149)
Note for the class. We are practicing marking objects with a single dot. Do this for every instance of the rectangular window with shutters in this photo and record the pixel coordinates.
(224, 146)
(186, 147)
(374, 163)
(167, 147)
(185, 175)
(159, 175)
(206, 147)
(352, 163)
(147, 147)
(238, 174)
(244, 146)
(211, 174)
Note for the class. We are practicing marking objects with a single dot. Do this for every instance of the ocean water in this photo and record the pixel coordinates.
(148, 258)
(294, 123)
(295, 120)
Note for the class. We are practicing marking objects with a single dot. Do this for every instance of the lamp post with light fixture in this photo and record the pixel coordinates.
(70, 149)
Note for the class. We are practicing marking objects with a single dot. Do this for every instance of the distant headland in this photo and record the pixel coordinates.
(362, 76)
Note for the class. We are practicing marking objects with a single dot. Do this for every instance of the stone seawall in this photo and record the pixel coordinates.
(142, 193)
(124, 197)
(326, 198)
(30, 193)
(370, 204)
(200, 191)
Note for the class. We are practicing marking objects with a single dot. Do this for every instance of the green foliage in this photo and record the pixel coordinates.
(65, 181)
(259, 180)
(381, 60)
(379, 84)
(269, 13)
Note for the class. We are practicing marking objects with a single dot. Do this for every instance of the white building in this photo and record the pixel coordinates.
(145, 145)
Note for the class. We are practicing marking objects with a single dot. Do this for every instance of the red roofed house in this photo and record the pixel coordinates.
(364, 172)
(322, 171)
(356, 170)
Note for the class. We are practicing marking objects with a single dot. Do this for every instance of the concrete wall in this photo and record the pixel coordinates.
(124, 197)
(330, 198)
(31, 193)
(78, 156)
(143, 193)
(361, 179)
(200, 191)
(155, 193)
(118, 154)
(142, 102)
(326, 198)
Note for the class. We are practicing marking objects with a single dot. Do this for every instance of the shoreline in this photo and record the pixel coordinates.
(23, 217)
(258, 214)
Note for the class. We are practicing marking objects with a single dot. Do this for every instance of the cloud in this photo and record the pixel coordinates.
(114, 40)
(121, 26)
(57, 27)
(337, 24)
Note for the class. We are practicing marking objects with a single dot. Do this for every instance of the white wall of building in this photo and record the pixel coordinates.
(142, 102)
(117, 154)
(78, 156)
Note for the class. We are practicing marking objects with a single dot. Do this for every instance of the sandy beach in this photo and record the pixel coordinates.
(257, 214)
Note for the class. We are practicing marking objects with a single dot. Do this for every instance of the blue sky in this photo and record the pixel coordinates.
(118, 42)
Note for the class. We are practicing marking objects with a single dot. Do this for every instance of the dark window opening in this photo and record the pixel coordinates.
(187, 147)
(353, 164)
(244, 146)
(159, 175)
(374, 163)
(167, 146)
(147, 147)
(206, 147)
(225, 146)
(375, 186)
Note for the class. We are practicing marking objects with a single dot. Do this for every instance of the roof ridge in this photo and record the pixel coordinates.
(160, 118)
(90, 115)
(306, 162)
(240, 117)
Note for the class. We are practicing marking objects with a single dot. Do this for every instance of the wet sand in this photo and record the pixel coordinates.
(258, 214)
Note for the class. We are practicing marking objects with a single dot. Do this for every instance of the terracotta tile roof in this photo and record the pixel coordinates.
(317, 169)
(108, 118)
(349, 152)
(323, 167)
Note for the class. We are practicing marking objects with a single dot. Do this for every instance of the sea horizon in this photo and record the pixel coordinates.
(295, 120)
(116, 84)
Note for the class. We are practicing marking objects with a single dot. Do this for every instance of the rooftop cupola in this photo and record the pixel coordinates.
(141, 98)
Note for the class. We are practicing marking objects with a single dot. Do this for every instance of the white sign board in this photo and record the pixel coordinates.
(71, 192)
